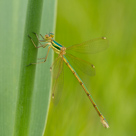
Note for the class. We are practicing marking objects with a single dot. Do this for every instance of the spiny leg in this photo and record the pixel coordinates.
(52, 63)
(38, 38)
(34, 43)
(40, 58)
(36, 63)
(42, 37)
(44, 58)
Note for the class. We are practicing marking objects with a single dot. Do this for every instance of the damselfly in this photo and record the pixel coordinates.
(91, 46)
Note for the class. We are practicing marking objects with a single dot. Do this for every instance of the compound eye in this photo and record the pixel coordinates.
(51, 35)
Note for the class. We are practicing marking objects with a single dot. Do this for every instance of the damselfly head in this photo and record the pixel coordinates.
(46, 37)
(51, 35)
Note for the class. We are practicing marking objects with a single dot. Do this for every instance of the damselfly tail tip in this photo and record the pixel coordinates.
(50, 68)
(104, 123)
(104, 38)
(93, 66)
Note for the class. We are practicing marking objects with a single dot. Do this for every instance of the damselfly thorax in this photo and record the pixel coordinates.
(58, 48)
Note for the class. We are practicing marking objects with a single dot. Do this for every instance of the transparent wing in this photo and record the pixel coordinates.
(91, 46)
(57, 80)
(57, 67)
(83, 65)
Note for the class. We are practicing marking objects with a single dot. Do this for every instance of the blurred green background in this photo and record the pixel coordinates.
(113, 87)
